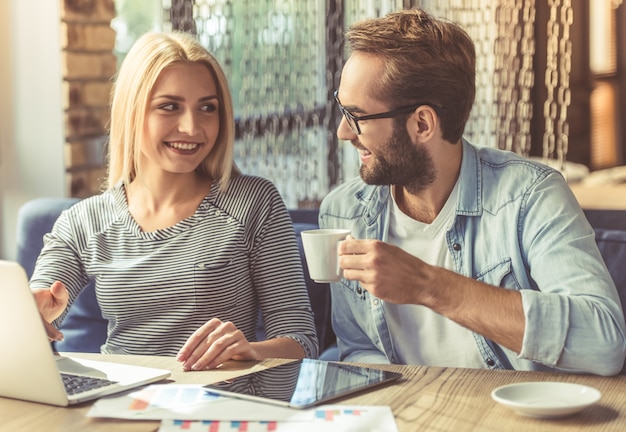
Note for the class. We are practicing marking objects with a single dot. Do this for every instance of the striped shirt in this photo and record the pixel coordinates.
(236, 256)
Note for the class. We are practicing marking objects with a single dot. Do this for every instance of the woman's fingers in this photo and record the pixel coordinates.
(54, 335)
(213, 344)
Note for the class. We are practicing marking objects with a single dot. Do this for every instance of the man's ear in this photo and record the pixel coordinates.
(423, 123)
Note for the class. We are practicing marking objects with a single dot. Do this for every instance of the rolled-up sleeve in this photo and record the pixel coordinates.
(574, 318)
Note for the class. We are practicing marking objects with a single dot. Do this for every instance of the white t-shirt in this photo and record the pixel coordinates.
(421, 336)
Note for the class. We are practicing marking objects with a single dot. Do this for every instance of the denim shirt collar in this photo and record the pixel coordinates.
(470, 189)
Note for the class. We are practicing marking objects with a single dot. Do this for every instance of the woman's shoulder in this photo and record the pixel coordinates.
(245, 183)
(96, 210)
(249, 189)
(248, 194)
(102, 203)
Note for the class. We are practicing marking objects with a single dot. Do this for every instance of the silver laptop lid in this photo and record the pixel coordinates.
(28, 369)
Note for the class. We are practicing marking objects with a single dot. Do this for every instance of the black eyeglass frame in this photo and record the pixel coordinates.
(353, 120)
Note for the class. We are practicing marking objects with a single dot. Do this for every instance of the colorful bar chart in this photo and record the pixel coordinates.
(335, 418)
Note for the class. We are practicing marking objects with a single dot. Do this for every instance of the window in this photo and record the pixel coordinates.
(606, 151)
(284, 59)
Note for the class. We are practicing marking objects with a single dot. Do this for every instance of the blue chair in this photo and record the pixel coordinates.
(606, 219)
(610, 230)
(84, 327)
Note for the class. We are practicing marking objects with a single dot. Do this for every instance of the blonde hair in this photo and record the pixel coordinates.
(149, 56)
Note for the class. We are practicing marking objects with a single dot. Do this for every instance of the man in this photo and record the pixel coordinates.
(459, 256)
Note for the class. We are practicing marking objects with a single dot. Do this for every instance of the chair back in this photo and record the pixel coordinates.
(83, 327)
(610, 230)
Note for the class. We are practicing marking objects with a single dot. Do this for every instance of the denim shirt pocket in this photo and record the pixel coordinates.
(499, 274)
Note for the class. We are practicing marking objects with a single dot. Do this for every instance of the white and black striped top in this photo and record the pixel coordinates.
(235, 256)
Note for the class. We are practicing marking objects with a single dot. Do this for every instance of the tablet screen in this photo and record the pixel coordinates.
(303, 383)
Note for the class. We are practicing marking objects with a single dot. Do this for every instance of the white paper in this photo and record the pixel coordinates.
(189, 402)
(336, 418)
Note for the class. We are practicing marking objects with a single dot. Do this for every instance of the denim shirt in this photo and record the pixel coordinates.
(517, 226)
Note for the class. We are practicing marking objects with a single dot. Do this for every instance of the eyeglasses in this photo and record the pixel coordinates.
(353, 121)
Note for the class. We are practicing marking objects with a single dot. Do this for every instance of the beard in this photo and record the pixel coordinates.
(401, 163)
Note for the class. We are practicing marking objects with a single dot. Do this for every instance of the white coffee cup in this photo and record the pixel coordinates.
(320, 251)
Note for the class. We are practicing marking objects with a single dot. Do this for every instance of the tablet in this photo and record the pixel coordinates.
(303, 383)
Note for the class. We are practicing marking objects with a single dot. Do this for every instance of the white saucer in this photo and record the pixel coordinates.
(546, 399)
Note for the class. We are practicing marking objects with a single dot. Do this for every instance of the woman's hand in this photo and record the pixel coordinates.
(213, 344)
(51, 304)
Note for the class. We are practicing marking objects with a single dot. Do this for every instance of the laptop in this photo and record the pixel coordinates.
(30, 370)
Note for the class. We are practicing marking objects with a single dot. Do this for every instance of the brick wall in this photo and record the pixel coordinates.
(87, 43)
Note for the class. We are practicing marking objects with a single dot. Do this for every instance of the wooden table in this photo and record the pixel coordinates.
(426, 399)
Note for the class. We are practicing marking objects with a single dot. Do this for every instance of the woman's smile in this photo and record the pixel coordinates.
(183, 146)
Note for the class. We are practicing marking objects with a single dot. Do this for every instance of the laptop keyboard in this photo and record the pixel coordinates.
(77, 384)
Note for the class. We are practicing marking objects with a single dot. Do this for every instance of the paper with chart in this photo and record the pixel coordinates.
(189, 408)
(189, 402)
(336, 418)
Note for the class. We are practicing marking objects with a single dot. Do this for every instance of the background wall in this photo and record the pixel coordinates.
(31, 112)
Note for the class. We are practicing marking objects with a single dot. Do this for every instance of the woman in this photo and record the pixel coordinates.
(184, 249)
